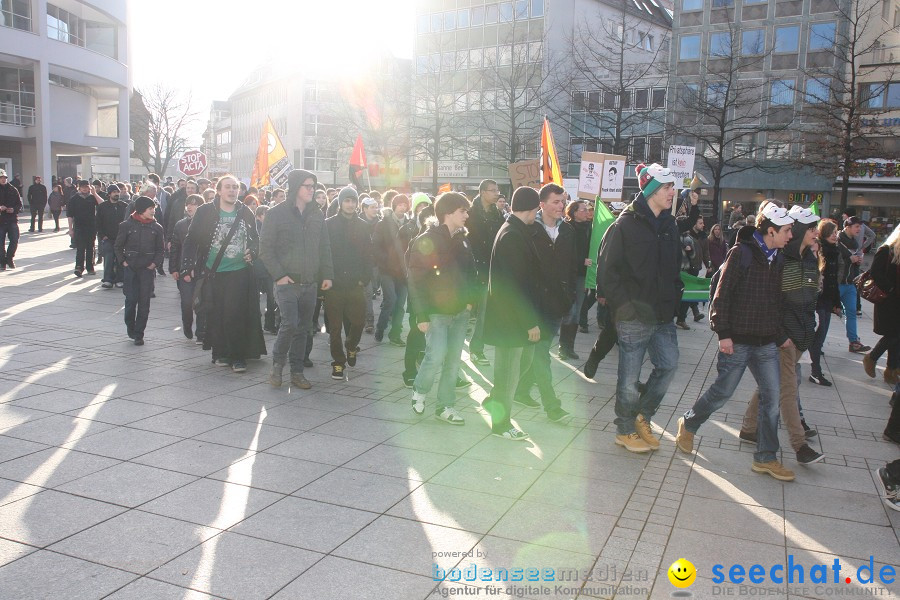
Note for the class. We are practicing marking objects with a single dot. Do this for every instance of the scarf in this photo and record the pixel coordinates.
(141, 219)
(770, 253)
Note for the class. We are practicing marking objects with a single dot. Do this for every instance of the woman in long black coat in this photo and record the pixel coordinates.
(887, 312)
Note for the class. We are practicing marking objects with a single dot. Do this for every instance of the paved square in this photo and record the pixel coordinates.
(141, 473)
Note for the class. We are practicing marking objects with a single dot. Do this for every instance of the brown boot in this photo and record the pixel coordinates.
(276, 376)
(299, 381)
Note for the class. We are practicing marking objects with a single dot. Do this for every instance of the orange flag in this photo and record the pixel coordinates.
(550, 172)
(445, 188)
(272, 164)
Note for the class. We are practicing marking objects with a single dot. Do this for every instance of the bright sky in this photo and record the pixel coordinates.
(208, 47)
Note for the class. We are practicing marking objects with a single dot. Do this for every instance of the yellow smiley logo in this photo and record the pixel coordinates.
(682, 573)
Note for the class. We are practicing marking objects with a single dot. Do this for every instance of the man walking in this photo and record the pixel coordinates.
(81, 212)
(390, 251)
(512, 316)
(110, 213)
(484, 222)
(555, 275)
(345, 302)
(848, 271)
(10, 207)
(139, 247)
(640, 259)
(296, 250)
(747, 316)
(37, 202)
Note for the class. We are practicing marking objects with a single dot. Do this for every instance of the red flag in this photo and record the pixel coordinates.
(445, 188)
(550, 172)
(357, 163)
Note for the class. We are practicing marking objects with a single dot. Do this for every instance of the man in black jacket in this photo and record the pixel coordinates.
(441, 277)
(556, 274)
(345, 302)
(139, 248)
(512, 311)
(110, 213)
(81, 212)
(37, 202)
(639, 262)
(10, 207)
(175, 209)
(484, 222)
(185, 283)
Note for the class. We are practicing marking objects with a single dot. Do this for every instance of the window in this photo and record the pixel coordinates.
(505, 55)
(722, 3)
(311, 125)
(687, 5)
(491, 14)
(782, 92)
(893, 95)
(821, 36)
(520, 54)
(716, 94)
(655, 145)
(537, 8)
(309, 159)
(477, 16)
(424, 23)
(745, 146)
(787, 39)
(625, 99)
(450, 20)
(818, 90)
(659, 98)
(579, 101)
(436, 22)
(720, 44)
(536, 51)
(872, 95)
(421, 65)
(474, 100)
(462, 18)
(609, 100)
(756, 1)
(641, 98)
(639, 149)
(689, 49)
(594, 101)
(753, 42)
(448, 61)
(476, 56)
(16, 14)
(506, 12)
(645, 40)
(521, 9)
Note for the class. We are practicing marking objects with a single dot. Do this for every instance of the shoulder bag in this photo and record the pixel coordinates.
(202, 300)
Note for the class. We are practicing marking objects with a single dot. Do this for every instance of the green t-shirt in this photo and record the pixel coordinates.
(233, 259)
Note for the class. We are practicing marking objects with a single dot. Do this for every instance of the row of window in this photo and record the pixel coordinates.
(477, 58)
(752, 42)
(503, 12)
(881, 95)
(484, 148)
(477, 100)
(689, 5)
(72, 29)
(631, 99)
(315, 159)
(782, 92)
(642, 148)
(15, 14)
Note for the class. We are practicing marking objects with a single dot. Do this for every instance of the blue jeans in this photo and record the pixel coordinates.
(764, 364)
(508, 363)
(393, 305)
(443, 353)
(476, 344)
(637, 339)
(539, 372)
(848, 301)
(296, 304)
(112, 270)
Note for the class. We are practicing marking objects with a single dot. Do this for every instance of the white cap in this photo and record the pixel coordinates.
(2, 173)
(369, 201)
(802, 215)
(777, 215)
(617, 206)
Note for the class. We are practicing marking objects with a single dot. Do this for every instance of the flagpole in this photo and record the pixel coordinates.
(368, 179)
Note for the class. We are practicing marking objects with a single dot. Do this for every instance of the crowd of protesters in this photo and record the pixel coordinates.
(508, 275)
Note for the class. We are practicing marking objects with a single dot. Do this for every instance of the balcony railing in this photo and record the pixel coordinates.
(16, 114)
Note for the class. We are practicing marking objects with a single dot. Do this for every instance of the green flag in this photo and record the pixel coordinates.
(814, 207)
(696, 289)
(602, 220)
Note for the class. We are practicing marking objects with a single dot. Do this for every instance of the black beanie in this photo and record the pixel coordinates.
(143, 203)
(347, 193)
(525, 199)
(295, 180)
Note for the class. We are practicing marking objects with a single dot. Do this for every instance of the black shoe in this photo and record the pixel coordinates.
(91, 272)
(590, 367)
(131, 334)
(10, 263)
(409, 382)
(808, 431)
(747, 437)
(808, 456)
(890, 489)
(337, 372)
(379, 336)
(567, 354)
(641, 387)
(239, 366)
(699, 317)
(307, 363)
(681, 325)
(351, 357)
(891, 436)
(31, 231)
(2, 266)
(557, 414)
(462, 383)
(188, 333)
(139, 341)
(819, 380)
(526, 401)
(479, 358)
(396, 341)
(77, 273)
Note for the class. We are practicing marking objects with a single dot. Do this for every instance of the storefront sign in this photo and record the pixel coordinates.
(876, 169)
(805, 197)
(448, 169)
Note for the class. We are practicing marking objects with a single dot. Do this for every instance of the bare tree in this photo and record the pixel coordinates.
(167, 119)
(725, 113)
(624, 53)
(848, 71)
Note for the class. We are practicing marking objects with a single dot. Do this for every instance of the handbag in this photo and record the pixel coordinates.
(868, 289)
(201, 300)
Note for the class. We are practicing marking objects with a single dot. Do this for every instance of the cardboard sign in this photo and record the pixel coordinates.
(681, 163)
(594, 176)
(525, 172)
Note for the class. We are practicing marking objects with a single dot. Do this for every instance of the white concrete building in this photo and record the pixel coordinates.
(64, 87)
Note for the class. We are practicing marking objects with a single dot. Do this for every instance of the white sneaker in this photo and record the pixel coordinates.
(449, 415)
(418, 403)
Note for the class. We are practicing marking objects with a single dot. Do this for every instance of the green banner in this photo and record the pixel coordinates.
(602, 220)
(696, 289)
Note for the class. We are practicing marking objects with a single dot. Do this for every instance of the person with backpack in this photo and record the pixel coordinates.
(799, 293)
(747, 317)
